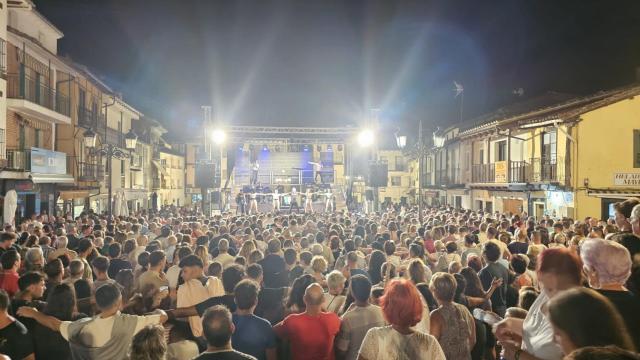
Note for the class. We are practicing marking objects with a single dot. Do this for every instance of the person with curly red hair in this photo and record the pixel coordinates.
(402, 309)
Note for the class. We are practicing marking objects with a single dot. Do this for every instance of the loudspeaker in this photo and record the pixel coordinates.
(369, 195)
(378, 174)
(205, 176)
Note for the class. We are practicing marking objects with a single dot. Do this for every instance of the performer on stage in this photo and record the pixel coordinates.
(276, 201)
(328, 207)
(240, 202)
(308, 202)
(253, 203)
(294, 201)
(254, 173)
(317, 169)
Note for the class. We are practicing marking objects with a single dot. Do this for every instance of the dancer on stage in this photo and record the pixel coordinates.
(253, 202)
(328, 207)
(308, 202)
(294, 201)
(276, 201)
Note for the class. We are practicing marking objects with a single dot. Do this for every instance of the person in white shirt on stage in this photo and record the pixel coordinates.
(253, 203)
(328, 207)
(308, 202)
(276, 201)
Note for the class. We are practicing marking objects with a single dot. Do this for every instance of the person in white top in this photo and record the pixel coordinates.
(196, 288)
(329, 202)
(276, 201)
(398, 340)
(558, 269)
(224, 258)
(308, 202)
(253, 202)
(107, 335)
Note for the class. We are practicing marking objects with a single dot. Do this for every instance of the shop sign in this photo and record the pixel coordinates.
(626, 179)
(501, 171)
(48, 162)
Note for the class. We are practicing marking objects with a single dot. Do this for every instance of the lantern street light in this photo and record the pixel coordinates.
(110, 151)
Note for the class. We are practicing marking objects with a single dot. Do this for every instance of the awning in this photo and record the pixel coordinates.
(74, 194)
(52, 178)
(614, 193)
(160, 168)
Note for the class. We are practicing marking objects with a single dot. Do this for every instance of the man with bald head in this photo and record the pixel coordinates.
(312, 332)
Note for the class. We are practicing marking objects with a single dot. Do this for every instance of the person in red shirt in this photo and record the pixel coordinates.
(312, 332)
(10, 261)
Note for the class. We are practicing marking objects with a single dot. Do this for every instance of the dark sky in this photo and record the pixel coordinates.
(324, 62)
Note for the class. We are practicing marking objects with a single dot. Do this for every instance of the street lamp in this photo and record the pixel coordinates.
(401, 141)
(110, 151)
(438, 140)
(366, 138)
(218, 136)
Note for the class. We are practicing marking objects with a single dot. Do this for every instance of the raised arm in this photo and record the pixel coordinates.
(44, 320)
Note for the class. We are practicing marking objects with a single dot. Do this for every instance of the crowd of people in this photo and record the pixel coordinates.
(441, 284)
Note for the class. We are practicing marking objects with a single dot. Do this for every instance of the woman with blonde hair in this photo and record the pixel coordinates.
(149, 344)
(203, 254)
(246, 249)
(451, 323)
(319, 266)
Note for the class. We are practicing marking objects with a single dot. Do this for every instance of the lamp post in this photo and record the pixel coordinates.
(438, 142)
(110, 151)
(401, 142)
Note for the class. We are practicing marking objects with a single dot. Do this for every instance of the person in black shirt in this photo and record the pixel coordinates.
(218, 328)
(15, 340)
(492, 271)
(115, 263)
(273, 266)
(32, 288)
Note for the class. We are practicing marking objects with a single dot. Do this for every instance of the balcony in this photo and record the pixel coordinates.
(90, 172)
(19, 160)
(135, 162)
(115, 137)
(91, 119)
(483, 173)
(33, 98)
(535, 170)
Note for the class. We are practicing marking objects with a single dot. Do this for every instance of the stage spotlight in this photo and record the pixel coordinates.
(366, 138)
(218, 136)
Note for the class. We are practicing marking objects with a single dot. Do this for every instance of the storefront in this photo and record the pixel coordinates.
(559, 204)
(36, 185)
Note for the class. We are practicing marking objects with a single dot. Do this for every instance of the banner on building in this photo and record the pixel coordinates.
(48, 162)
(501, 171)
(626, 179)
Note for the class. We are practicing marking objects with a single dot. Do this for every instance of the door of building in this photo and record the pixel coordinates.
(513, 206)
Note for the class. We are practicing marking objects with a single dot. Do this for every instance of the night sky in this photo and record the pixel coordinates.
(325, 63)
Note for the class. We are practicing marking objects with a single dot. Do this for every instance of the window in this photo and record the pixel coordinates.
(122, 175)
(548, 148)
(501, 150)
(400, 163)
(37, 137)
(481, 155)
(22, 137)
(396, 181)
